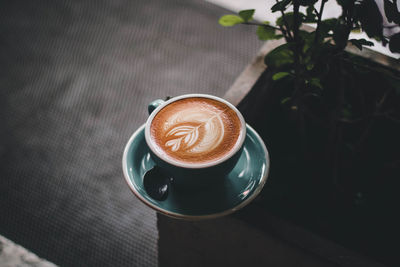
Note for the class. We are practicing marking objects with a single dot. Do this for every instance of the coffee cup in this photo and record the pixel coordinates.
(196, 138)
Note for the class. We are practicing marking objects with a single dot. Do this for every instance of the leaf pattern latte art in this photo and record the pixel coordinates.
(187, 136)
(184, 134)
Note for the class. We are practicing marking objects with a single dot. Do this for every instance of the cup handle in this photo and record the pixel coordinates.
(153, 105)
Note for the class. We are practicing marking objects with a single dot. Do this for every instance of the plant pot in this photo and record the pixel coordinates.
(258, 235)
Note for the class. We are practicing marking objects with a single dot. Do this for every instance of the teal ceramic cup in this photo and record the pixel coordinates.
(194, 174)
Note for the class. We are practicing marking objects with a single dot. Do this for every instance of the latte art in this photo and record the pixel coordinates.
(196, 130)
(186, 137)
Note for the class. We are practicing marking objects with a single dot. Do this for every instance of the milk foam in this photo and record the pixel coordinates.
(185, 126)
(195, 130)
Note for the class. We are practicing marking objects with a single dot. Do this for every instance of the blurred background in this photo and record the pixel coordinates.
(75, 81)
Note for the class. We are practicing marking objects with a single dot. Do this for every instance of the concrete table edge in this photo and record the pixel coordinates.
(12, 255)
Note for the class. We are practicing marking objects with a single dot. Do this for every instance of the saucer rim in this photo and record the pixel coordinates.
(195, 217)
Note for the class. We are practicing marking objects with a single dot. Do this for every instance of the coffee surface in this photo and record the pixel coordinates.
(195, 130)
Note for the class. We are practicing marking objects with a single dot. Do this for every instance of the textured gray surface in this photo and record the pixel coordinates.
(12, 255)
(75, 79)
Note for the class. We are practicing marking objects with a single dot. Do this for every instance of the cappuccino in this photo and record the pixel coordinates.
(195, 130)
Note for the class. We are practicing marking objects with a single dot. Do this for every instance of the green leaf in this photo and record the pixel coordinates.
(394, 43)
(310, 11)
(280, 56)
(316, 82)
(311, 17)
(360, 42)
(307, 2)
(356, 30)
(280, 6)
(279, 75)
(247, 14)
(370, 17)
(230, 20)
(307, 37)
(265, 33)
(289, 18)
(286, 99)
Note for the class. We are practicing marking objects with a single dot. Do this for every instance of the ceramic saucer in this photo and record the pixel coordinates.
(239, 188)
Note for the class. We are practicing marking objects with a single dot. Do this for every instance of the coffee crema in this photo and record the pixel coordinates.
(195, 130)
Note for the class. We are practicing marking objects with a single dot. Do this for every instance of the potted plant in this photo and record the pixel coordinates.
(331, 120)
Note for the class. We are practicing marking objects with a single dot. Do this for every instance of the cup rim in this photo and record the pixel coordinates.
(169, 160)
